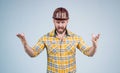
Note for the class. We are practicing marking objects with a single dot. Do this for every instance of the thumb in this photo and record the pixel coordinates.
(20, 35)
(93, 36)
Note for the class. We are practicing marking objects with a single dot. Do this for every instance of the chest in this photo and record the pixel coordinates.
(64, 47)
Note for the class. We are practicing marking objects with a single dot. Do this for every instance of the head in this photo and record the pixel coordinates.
(60, 19)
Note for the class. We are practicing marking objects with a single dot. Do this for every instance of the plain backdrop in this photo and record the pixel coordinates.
(34, 18)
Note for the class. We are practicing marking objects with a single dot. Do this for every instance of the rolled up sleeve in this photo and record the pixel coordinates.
(82, 46)
(39, 47)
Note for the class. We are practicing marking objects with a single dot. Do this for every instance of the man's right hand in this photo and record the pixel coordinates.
(21, 36)
(27, 48)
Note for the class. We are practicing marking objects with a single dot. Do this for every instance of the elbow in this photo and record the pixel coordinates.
(90, 55)
(32, 55)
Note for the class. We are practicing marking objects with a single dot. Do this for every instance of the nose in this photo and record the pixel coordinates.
(60, 24)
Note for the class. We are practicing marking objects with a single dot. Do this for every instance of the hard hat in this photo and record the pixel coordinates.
(61, 14)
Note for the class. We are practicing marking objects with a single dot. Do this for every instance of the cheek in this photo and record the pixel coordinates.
(65, 25)
(56, 26)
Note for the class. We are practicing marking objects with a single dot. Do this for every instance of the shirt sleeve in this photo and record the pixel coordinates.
(39, 46)
(82, 46)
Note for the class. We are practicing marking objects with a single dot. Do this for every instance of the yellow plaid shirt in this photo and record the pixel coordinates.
(60, 53)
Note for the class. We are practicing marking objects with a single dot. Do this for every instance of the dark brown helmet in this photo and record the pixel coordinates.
(61, 14)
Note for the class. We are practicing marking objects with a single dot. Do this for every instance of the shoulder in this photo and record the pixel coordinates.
(75, 36)
(72, 34)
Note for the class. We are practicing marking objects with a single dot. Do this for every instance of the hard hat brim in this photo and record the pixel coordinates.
(60, 18)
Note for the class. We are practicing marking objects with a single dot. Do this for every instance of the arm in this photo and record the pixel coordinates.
(27, 48)
(91, 51)
(85, 49)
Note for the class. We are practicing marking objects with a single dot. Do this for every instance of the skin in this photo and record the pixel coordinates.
(60, 27)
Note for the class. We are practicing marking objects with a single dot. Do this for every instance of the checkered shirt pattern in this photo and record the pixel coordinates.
(60, 53)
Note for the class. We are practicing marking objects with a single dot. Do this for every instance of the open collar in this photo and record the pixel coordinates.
(53, 33)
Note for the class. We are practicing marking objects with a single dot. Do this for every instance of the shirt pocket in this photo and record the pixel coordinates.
(71, 48)
(52, 49)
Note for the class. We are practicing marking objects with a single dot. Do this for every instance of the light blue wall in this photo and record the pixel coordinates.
(34, 18)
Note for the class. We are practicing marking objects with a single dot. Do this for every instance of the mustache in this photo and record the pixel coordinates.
(60, 27)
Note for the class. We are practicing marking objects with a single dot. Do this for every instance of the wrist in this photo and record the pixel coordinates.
(94, 46)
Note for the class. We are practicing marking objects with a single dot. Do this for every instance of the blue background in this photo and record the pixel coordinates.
(34, 18)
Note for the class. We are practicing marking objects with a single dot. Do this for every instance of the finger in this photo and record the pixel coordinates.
(18, 35)
(97, 37)
(93, 36)
(21, 35)
(94, 42)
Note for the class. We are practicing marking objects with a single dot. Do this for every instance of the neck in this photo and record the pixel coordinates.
(61, 35)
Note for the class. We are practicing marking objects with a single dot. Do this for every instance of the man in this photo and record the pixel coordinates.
(61, 45)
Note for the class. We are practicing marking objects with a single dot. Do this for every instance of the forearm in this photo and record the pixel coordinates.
(91, 51)
(29, 50)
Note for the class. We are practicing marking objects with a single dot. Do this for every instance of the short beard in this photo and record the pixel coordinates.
(64, 30)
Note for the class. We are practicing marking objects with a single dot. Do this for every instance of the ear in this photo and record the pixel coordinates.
(54, 21)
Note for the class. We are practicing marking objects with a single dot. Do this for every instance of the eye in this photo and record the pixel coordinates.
(58, 22)
(63, 22)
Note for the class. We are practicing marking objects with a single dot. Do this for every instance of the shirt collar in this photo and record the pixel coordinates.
(53, 33)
